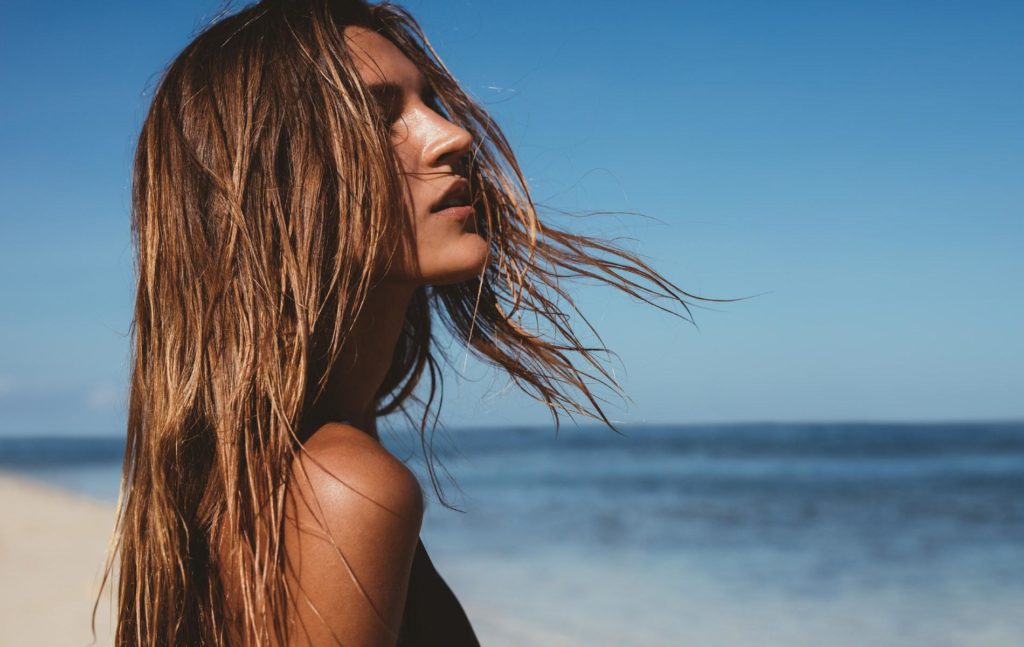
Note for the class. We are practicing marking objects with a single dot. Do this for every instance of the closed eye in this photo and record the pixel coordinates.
(429, 98)
(389, 100)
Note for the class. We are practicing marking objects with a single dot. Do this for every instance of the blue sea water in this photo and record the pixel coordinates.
(759, 534)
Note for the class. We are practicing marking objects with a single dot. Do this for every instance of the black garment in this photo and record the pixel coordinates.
(433, 615)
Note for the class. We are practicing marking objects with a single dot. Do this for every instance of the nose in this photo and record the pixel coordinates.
(451, 145)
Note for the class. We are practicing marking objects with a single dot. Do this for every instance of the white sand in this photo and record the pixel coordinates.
(52, 549)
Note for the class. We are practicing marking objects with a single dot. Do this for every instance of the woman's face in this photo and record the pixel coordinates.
(432, 152)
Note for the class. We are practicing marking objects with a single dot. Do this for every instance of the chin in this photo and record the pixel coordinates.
(459, 263)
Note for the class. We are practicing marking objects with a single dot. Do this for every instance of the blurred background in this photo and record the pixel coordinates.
(838, 459)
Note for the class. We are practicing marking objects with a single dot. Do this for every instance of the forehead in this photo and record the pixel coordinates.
(379, 60)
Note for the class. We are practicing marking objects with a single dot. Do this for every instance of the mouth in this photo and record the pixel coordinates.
(456, 201)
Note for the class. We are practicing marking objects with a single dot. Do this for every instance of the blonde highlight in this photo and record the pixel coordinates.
(263, 198)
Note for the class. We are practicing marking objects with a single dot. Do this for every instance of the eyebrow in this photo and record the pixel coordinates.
(385, 92)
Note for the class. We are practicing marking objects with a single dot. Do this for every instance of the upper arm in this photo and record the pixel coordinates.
(350, 538)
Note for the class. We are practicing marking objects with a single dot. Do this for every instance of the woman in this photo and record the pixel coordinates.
(311, 187)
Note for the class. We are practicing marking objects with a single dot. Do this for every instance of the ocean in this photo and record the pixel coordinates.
(732, 535)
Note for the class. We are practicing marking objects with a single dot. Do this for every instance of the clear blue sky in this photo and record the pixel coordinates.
(858, 164)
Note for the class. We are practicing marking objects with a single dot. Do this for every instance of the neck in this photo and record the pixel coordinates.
(350, 394)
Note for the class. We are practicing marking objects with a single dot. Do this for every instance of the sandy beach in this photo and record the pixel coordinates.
(52, 549)
(798, 542)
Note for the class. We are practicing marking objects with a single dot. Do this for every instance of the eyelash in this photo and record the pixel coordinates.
(393, 108)
(392, 114)
(429, 98)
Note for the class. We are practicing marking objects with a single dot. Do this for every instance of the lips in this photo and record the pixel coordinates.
(456, 196)
(457, 213)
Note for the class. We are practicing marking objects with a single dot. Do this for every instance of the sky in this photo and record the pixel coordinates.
(855, 168)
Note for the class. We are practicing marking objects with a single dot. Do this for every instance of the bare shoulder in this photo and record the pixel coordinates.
(342, 465)
(354, 522)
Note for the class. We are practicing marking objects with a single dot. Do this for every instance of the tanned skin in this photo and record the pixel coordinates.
(356, 574)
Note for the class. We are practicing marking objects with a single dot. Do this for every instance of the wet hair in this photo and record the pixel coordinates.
(263, 192)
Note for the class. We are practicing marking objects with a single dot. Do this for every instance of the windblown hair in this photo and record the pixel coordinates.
(264, 197)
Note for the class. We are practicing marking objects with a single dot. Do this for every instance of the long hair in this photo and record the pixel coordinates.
(263, 198)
